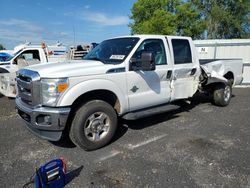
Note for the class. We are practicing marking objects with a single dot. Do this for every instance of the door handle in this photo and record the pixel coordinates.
(169, 74)
(193, 71)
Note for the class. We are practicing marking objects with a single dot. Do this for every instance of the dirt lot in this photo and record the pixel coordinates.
(199, 145)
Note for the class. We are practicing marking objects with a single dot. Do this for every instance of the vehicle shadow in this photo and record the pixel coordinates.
(64, 142)
(184, 106)
(73, 174)
(124, 125)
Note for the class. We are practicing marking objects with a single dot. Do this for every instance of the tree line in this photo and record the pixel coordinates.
(2, 47)
(200, 19)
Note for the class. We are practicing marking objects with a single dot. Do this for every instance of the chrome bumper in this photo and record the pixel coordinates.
(46, 122)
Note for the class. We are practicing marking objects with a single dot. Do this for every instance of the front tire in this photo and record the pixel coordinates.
(94, 125)
(222, 94)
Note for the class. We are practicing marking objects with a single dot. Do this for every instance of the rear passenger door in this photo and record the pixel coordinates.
(184, 82)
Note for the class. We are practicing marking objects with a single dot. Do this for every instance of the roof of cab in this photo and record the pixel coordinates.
(145, 36)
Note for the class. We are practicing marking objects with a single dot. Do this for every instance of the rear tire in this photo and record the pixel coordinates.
(222, 94)
(94, 125)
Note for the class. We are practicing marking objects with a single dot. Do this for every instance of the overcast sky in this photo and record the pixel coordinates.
(54, 20)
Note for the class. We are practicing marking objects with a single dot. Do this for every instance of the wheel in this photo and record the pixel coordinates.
(222, 94)
(94, 125)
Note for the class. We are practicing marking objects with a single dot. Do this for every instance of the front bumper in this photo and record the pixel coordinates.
(46, 122)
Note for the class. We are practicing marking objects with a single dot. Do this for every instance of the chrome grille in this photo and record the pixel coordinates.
(28, 86)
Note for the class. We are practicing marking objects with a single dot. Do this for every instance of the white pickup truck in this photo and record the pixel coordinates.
(26, 55)
(128, 77)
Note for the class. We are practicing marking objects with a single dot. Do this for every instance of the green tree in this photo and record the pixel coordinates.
(1, 47)
(225, 19)
(189, 21)
(213, 19)
(168, 17)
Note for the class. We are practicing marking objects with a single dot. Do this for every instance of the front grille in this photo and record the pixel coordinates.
(24, 90)
(27, 85)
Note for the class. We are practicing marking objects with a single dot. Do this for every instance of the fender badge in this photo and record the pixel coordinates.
(134, 89)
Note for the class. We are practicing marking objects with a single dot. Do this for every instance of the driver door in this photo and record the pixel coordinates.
(149, 88)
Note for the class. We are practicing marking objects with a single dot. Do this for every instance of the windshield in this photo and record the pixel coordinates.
(112, 51)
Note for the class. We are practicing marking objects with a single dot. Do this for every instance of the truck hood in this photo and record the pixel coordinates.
(72, 68)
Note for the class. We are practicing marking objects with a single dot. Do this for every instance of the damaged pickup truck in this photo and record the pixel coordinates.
(128, 77)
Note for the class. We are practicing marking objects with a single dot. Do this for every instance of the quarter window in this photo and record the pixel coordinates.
(182, 51)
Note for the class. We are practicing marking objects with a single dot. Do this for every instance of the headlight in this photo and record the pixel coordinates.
(51, 90)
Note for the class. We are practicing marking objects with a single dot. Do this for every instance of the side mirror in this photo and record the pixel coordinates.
(146, 63)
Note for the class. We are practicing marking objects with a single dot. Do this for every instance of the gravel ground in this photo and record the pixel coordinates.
(200, 145)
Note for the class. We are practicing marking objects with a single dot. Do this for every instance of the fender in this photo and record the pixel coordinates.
(237, 77)
(79, 89)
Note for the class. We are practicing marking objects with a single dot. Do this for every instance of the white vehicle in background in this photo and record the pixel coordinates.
(25, 55)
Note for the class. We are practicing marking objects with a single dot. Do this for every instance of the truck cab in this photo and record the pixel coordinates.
(26, 55)
(175, 71)
(23, 58)
(29, 54)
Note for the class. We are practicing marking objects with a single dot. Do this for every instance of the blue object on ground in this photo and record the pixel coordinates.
(51, 174)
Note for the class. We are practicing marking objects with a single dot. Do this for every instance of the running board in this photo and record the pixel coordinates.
(149, 112)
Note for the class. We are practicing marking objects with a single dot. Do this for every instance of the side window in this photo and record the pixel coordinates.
(155, 46)
(31, 54)
(182, 51)
(28, 55)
